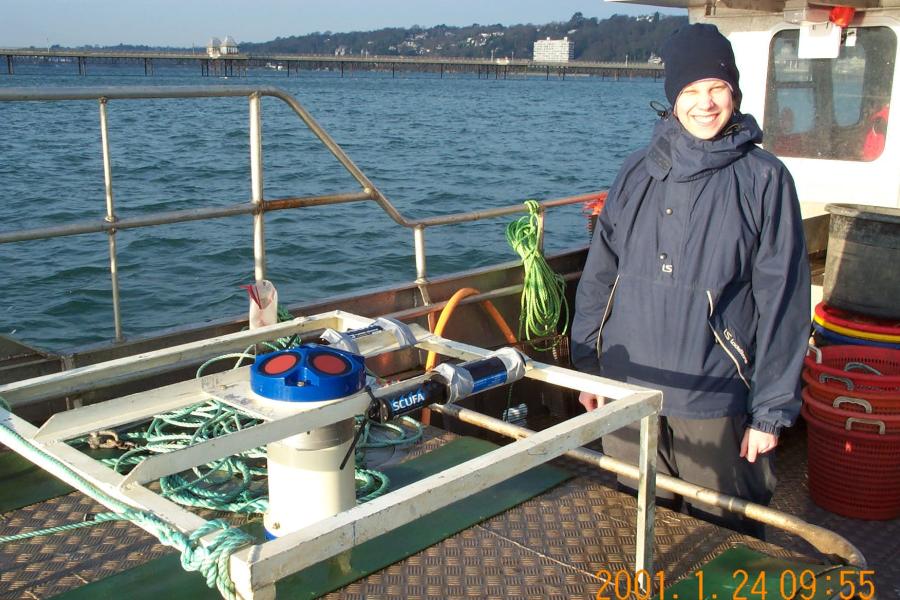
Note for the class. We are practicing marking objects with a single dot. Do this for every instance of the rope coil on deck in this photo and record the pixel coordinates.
(211, 559)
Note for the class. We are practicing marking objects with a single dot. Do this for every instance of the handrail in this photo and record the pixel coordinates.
(258, 205)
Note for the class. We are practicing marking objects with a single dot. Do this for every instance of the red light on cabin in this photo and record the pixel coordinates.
(842, 15)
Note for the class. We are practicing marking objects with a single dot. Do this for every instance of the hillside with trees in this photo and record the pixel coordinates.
(613, 39)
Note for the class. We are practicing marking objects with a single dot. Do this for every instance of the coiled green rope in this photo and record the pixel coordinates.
(544, 291)
(210, 560)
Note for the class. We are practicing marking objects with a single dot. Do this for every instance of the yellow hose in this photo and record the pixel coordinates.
(448, 311)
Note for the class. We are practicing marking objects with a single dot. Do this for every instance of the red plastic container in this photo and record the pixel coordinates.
(852, 420)
(850, 399)
(853, 473)
(863, 367)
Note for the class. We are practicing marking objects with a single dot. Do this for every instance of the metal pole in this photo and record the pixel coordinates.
(419, 240)
(110, 218)
(825, 541)
(256, 186)
(646, 501)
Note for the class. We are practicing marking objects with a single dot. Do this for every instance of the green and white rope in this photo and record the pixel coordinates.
(94, 520)
(210, 560)
(544, 291)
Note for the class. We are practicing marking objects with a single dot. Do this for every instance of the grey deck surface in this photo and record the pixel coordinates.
(547, 547)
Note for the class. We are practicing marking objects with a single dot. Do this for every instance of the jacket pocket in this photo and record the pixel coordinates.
(732, 341)
(606, 312)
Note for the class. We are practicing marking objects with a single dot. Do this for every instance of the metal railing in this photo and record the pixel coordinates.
(258, 205)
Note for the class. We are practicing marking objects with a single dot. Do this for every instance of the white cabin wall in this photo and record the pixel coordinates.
(753, 69)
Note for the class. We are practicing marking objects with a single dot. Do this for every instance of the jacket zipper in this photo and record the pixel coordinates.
(606, 311)
(737, 365)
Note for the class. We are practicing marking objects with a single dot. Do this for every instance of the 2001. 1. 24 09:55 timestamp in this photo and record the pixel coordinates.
(841, 583)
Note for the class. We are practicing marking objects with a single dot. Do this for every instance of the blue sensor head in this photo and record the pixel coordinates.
(308, 373)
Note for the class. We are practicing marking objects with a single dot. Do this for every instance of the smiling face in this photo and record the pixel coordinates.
(704, 107)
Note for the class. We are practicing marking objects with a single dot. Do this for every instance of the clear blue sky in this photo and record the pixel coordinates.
(185, 23)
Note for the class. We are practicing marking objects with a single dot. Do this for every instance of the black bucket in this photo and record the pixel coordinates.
(862, 268)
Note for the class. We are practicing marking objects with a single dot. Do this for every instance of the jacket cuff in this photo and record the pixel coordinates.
(766, 427)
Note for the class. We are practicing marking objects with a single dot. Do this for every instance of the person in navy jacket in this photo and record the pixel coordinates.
(697, 284)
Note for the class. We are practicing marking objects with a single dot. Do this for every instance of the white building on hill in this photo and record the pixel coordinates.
(554, 51)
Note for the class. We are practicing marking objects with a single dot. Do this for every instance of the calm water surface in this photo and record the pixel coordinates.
(433, 146)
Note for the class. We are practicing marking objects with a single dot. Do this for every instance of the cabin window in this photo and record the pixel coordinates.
(830, 108)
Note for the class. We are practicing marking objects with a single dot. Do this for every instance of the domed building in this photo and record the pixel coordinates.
(229, 46)
(219, 48)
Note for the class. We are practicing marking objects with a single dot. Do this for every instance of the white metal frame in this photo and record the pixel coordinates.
(256, 569)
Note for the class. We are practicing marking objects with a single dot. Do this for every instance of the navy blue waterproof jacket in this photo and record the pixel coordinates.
(697, 279)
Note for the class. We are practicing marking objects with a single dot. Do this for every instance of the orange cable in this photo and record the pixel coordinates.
(448, 311)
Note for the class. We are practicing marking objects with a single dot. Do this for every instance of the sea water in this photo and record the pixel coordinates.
(432, 145)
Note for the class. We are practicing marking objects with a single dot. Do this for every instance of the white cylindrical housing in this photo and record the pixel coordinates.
(306, 483)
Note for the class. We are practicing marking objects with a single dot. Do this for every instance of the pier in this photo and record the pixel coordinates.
(292, 64)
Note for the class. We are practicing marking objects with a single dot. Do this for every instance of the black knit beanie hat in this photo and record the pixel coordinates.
(698, 52)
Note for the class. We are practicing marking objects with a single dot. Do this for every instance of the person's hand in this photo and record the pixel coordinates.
(755, 443)
(591, 401)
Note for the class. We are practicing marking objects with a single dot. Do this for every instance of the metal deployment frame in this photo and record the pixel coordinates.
(256, 569)
(258, 205)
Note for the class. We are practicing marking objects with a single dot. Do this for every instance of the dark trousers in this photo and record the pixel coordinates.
(705, 452)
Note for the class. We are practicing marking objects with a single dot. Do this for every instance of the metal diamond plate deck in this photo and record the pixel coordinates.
(547, 547)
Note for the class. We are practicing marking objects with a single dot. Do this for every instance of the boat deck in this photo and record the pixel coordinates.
(548, 547)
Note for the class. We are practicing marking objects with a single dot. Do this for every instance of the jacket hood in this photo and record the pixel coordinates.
(673, 149)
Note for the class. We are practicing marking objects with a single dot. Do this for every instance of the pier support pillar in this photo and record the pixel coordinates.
(148, 66)
(82, 65)
(342, 68)
(10, 69)
(548, 72)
